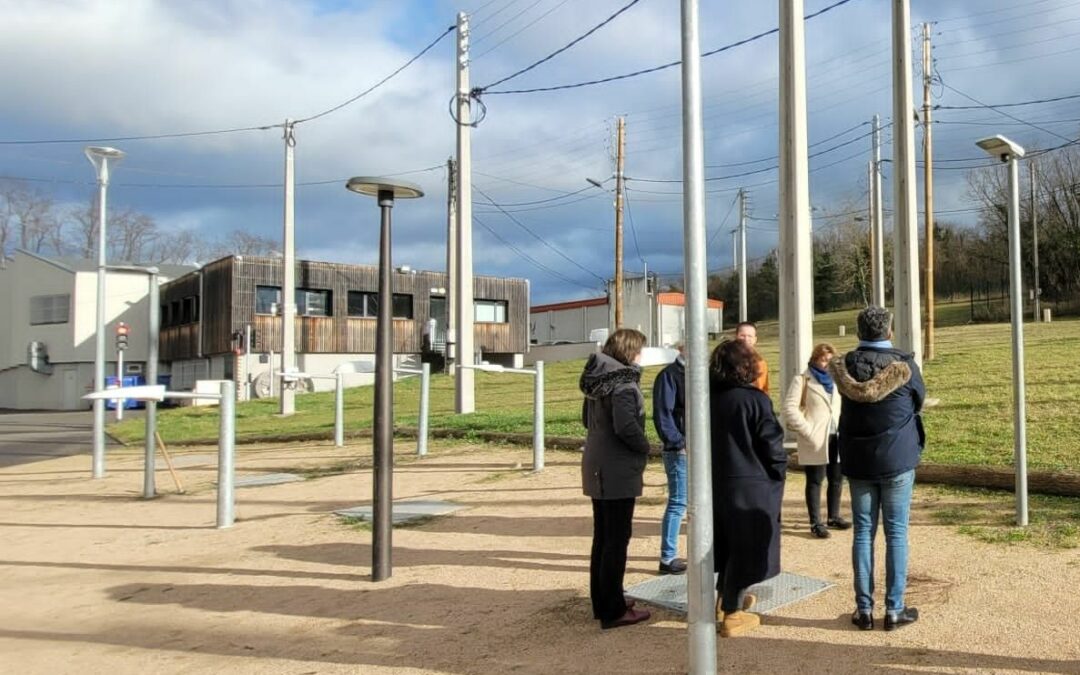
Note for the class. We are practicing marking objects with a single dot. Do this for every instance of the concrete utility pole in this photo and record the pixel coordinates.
(905, 211)
(152, 338)
(878, 220)
(464, 382)
(742, 256)
(796, 268)
(928, 190)
(288, 285)
(620, 156)
(1035, 235)
(700, 583)
(451, 258)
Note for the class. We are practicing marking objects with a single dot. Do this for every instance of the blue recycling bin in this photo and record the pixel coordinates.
(129, 381)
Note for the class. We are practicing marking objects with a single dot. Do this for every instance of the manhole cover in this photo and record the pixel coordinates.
(404, 512)
(669, 591)
(266, 479)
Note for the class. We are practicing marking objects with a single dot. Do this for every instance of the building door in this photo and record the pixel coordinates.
(71, 389)
(436, 338)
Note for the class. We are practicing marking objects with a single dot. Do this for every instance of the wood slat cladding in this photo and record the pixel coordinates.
(230, 293)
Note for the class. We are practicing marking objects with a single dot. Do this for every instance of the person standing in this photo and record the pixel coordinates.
(812, 410)
(881, 442)
(748, 470)
(612, 466)
(669, 418)
(747, 332)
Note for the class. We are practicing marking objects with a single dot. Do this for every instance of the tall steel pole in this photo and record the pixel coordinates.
(878, 220)
(701, 612)
(381, 565)
(743, 308)
(464, 381)
(928, 191)
(153, 330)
(620, 144)
(451, 258)
(1035, 235)
(796, 269)
(1016, 292)
(288, 286)
(905, 212)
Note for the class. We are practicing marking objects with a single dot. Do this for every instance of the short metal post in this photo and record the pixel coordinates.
(119, 383)
(422, 431)
(538, 417)
(339, 410)
(149, 489)
(226, 458)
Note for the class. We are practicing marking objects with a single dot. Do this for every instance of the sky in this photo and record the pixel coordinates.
(91, 69)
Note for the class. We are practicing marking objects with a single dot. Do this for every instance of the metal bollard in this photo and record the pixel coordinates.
(150, 450)
(226, 455)
(538, 417)
(422, 431)
(339, 410)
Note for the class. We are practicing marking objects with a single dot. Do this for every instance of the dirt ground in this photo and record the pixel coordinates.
(96, 580)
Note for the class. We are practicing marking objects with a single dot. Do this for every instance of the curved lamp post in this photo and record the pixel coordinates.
(101, 158)
(385, 190)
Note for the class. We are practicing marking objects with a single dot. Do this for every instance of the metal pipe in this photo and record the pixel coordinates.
(878, 220)
(701, 613)
(425, 393)
(538, 418)
(226, 455)
(287, 402)
(1016, 292)
(384, 405)
(98, 460)
(339, 410)
(154, 329)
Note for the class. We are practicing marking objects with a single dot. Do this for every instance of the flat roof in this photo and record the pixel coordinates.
(572, 304)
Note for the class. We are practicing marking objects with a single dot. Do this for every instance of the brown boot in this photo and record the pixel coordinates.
(739, 623)
(748, 601)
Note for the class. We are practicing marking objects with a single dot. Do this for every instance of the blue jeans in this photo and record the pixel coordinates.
(675, 468)
(893, 497)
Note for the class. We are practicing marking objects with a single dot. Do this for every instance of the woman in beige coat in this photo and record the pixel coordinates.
(812, 410)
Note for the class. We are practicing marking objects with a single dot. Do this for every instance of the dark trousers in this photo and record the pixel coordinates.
(612, 524)
(731, 595)
(814, 477)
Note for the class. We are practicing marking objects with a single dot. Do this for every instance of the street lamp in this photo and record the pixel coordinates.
(1007, 151)
(100, 157)
(385, 190)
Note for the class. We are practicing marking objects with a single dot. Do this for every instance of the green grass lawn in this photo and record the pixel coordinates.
(971, 375)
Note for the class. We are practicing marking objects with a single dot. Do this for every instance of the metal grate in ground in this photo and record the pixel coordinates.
(259, 480)
(404, 512)
(669, 591)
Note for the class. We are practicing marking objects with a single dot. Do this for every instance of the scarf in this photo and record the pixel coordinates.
(879, 344)
(824, 378)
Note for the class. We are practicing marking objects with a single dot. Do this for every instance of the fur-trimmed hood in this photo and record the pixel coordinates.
(603, 374)
(883, 382)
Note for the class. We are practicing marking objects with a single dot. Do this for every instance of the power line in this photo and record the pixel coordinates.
(644, 71)
(633, 229)
(720, 227)
(529, 258)
(520, 30)
(1014, 104)
(1009, 115)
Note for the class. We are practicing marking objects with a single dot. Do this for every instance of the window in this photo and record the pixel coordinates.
(489, 311)
(309, 302)
(265, 298)
(187, 311)
(366, 304)
(163, 317)
(49, 309)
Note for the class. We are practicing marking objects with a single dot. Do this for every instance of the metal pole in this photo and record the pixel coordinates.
(870, 225)
(425, 391)
(272, 373)
(905, 210)
(796, 267)
(620, 144)
(249, 387)
(538, 417)
(384, 404)
(743, 308)
(287, 403)
(451, 262)
(98, 461)
(339, 410)
(226, 455)
(1035, 236)
(701, 612)
(464, 382)
(1016, 292)
(878, 220)
(928, 192)
(154, 329)
(119, 383)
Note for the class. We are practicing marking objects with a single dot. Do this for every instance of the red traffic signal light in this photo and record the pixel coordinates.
(122, 328)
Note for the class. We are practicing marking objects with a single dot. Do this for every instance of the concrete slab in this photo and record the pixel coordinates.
(669, 591)
(260, 480)
(194, 460)
(404, 512)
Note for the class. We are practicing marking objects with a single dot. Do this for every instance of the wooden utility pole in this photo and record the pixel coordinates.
(928, 190)
(619, 186)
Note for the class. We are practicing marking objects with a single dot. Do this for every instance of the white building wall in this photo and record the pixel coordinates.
(570, 325)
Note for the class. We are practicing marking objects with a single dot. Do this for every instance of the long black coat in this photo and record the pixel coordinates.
(616, 448)
(748, 470)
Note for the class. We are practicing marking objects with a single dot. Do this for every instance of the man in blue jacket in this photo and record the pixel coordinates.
(881, 441)
(669, 417)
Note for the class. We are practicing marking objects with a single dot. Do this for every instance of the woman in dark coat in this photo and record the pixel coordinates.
(748, 468)
(611, 469)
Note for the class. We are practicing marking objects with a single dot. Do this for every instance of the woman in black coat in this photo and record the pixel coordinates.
(611, 468)
(748, 468)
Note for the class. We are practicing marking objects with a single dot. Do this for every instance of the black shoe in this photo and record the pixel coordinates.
(864, 620)
(676, 566)
(839, 524)
(820, 531)
(901, 619)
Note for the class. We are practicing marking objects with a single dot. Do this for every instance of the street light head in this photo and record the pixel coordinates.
(593, 181)
(1001, 147)
(374, 186)
(100, 157)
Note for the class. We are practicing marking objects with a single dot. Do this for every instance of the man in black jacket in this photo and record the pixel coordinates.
(881, 441)
(669, 418)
